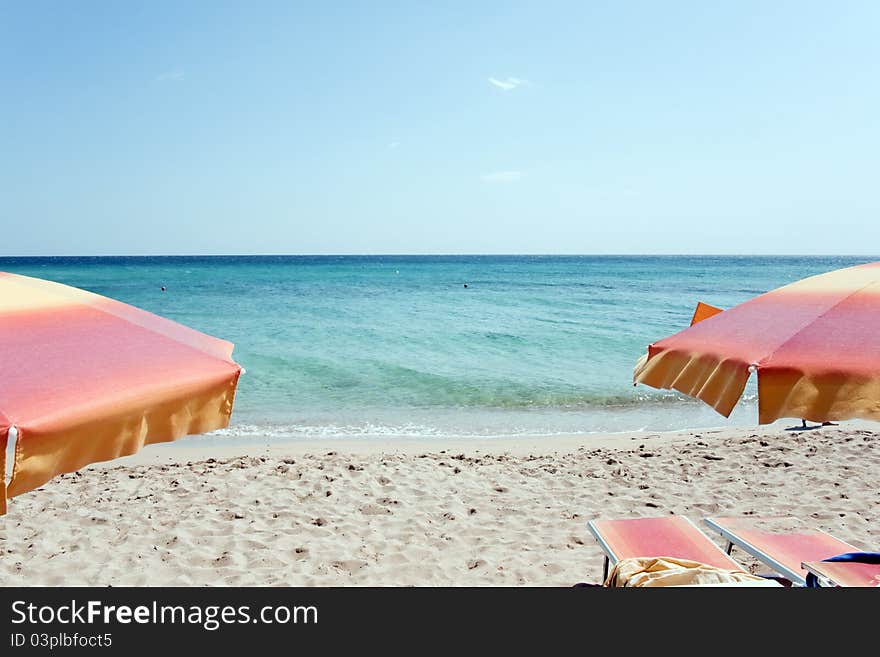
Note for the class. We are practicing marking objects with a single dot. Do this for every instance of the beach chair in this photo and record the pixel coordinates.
(784, 550)
(669, 536)
(851, 569)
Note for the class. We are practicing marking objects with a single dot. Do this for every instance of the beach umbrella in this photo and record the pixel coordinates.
(84, 378)
(814, 345)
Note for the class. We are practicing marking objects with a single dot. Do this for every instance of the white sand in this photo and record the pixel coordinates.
(418, 512)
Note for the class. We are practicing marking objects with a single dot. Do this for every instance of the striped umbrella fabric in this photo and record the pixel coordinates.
(814, 344)
(84, 378)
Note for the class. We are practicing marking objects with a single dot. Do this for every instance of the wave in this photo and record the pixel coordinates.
(468, 423)
(369, 430)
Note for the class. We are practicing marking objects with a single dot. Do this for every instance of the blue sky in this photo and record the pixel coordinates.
(415, 127)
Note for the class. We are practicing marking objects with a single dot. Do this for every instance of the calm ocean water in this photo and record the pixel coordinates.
(397, 346)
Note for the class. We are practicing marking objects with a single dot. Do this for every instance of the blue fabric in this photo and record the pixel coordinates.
(854, 557)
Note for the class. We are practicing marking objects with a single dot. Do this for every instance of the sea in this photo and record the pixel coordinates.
(441, 346)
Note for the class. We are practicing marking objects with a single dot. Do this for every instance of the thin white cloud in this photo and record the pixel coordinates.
(502, 177)
(508, 84)
(171, 76)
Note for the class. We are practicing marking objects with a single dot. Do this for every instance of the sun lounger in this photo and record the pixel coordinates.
(853, 569)
(669, 536)
(784, 551)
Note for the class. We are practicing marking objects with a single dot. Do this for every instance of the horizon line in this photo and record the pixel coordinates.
(446, 255)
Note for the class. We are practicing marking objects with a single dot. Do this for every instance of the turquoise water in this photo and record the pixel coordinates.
(397, 346)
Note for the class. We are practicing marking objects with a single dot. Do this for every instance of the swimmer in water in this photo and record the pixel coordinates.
(163, 288)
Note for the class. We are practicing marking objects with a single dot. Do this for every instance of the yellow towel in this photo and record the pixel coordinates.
(669, 571)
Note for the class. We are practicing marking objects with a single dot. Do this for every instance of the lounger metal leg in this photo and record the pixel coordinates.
(605, 569)
(729, 547)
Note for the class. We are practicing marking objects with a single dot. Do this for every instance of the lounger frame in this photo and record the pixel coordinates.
(797, 578)
(611, 557)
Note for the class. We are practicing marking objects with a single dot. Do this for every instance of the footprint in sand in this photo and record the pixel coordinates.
(374, 510)
(223, 560)
(348, 566)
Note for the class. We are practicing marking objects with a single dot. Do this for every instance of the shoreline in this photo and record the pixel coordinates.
(492, 512)
(516, 445)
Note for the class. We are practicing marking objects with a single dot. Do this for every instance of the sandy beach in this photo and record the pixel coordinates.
(505, 512)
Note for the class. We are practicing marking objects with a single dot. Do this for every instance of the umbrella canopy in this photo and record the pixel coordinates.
(84, 378)
(815, 345)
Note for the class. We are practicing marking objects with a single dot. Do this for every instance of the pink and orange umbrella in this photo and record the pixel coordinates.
(84, 378)
(814, 344)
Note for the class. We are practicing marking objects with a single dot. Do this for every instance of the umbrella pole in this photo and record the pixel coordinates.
(12, 438)
(7, 463)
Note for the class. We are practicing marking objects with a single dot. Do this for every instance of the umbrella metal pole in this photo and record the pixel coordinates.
(10, 453)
